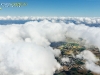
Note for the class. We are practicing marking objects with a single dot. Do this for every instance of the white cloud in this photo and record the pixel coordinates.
(93, 67)
(25, 48)
(56, 52)
(76, 20)
(90, 61)
(65, 59)
(87, 55)
(27, 59)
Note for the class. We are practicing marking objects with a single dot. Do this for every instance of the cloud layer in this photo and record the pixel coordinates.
(89, 21)
(25, 48)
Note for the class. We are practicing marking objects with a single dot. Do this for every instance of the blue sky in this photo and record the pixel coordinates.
(71, 8)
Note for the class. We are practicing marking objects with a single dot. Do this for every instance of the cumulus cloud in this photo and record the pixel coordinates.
(25, 48)
(88, 56)
(56, 52)
(91, 21)
(93, 67)
(27, 59)
(90, 61)
(65, 59)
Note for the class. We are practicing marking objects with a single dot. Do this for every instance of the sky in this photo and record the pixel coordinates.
(50, 8)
